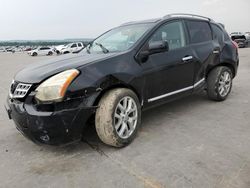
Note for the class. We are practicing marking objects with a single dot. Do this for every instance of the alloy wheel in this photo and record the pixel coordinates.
(125, 117)
(225, 83)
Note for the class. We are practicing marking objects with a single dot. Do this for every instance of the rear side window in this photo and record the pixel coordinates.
(199, 31)
(79, 44)
(218, 34)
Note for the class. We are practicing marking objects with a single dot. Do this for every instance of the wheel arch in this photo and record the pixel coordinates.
(116, 86)
(98, 97)
(226, 64)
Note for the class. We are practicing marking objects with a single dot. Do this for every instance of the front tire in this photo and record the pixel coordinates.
(118, 117)
(219, 83)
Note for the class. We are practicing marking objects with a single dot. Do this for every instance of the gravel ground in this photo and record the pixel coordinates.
(192, 142)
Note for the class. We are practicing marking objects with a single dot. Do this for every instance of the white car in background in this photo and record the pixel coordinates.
(2, 50)
(72, 48)
(41, 51)
(247, 35)
(59, 48)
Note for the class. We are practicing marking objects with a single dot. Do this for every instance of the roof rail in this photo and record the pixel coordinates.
(187, 15)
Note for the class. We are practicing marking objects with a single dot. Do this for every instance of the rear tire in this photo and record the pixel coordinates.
(118, 117)
(219, 83)
(50, 53)
(34, 54)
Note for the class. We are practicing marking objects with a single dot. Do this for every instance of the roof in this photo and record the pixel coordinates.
(179, 15)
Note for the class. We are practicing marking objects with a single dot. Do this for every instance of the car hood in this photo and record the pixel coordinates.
(37, 72)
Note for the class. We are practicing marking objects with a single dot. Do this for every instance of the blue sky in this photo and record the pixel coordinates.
(60, 19)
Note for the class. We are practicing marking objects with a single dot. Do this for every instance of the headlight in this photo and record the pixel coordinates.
(54, 88)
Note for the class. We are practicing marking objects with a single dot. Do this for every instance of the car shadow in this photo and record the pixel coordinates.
(149, 116)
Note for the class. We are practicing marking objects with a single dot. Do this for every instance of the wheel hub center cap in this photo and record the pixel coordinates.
(125, 117)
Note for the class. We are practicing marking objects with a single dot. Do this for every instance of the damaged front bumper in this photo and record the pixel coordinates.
(54, 124)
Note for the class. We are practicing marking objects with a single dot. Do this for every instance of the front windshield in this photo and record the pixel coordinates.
(118, 39)
(68, 45)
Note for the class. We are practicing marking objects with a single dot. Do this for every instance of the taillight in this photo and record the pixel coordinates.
(235, 44)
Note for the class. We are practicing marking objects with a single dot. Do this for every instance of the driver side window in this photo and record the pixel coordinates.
(172, 33)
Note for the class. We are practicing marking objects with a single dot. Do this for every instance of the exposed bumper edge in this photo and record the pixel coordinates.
(55, 128)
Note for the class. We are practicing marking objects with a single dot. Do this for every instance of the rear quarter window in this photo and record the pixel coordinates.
(218, 34)
(199, 31)
(226, 36)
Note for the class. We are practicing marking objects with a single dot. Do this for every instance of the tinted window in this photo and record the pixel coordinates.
(173, 33)
(199, 31)
(79, 44)
(73, 46)
(44, 48)
(218, 34)
(226, 36)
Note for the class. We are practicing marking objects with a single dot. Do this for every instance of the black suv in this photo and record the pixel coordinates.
(128, 69)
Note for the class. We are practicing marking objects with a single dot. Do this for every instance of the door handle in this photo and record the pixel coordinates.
(216, 51)
(187, 58)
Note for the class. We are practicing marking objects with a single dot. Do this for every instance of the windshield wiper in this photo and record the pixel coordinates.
(105, 50)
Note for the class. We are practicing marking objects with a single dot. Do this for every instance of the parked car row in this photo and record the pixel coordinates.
(14, 49)
(61, 49)
(45, 50)
(11, 49)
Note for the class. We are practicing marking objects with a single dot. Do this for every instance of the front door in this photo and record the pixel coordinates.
(169, 74)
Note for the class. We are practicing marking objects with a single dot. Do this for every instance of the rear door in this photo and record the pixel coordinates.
(205, 50)
(169, 74)
(42, 51)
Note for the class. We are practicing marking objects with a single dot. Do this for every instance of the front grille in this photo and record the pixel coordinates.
(19, 90)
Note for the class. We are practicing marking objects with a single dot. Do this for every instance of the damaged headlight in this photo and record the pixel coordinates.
(54, 88)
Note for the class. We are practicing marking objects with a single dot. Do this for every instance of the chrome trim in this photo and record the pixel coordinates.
(177, 91)
(199, 82)
(169, 94)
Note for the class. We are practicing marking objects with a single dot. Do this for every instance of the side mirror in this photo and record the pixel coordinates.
(158, 47)
(153, 48)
